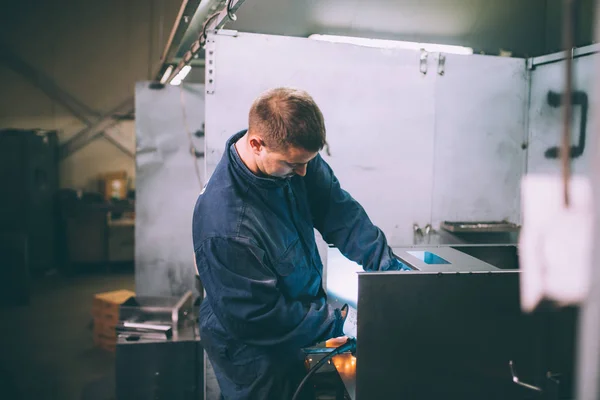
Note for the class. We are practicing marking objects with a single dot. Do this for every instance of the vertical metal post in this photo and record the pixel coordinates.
(588, 363)
(565, 151)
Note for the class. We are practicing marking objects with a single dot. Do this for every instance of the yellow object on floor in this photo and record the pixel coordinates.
(105, 310)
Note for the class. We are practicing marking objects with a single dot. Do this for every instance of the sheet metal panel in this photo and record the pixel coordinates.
(166, 187)
(378, 110)
(480, 119)
(546, 117)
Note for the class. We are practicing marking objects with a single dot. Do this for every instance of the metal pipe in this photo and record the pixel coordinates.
(205, 10)
(211, 21)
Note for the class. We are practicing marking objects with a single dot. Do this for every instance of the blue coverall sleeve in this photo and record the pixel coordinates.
(244, 295)
(343, 222)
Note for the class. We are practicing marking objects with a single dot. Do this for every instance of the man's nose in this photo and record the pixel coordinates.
(301, 170)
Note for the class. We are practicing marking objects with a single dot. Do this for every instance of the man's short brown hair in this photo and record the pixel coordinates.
(286, 117)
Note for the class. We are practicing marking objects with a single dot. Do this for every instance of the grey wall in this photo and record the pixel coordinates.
(93, 50)
(169, 180)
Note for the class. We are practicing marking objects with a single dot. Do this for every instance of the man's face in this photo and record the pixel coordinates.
(283, 163)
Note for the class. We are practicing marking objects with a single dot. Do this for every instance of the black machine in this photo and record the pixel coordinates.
(451, 328)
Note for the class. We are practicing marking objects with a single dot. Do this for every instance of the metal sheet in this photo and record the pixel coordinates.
(480, 115)
(448, 335)
(441, 259)
(545, 119)
(378, 110)
(560, 56)
(167, 187)
(342, 277)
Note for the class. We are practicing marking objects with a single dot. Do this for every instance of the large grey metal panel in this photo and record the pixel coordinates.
(480, 118)
(166, 187)
(378, 110)
(546, 120)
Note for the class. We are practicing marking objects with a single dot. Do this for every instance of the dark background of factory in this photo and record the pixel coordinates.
(92, 209)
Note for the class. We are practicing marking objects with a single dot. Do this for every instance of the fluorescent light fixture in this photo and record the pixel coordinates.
(166, 75)
(181, 75)
(394, 44)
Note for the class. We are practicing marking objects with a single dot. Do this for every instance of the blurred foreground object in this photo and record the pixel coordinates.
(556, 241)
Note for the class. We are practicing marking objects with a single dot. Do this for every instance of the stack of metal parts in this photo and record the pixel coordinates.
(154, 318)
(159, 354)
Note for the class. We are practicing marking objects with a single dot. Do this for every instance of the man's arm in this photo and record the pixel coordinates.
(243, 293)
(343, 222)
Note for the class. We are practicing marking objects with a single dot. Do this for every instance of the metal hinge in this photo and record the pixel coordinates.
(441, 64)
(423, 61)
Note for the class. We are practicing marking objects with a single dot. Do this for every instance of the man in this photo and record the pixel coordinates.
(254, 243)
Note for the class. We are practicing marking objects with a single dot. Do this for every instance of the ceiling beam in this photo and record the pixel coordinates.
(210, 15)
(181, 25)
(97, 129)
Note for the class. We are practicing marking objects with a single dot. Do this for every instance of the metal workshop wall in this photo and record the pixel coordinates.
(378, 109)
(169, 179)
(413, 140)
(546, 112)
(480, 135)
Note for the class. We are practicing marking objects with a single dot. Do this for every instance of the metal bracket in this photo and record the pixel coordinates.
(423, 61)
(441, 64)
(226, 32)
(417, 234)
(210, 65)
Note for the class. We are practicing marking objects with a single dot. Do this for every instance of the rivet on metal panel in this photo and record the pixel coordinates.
(210, 71)
(423, 62)
(441, 64)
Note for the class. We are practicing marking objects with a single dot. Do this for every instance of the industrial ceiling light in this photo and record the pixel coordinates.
(166, 74)
(394, 44)
(181, 75)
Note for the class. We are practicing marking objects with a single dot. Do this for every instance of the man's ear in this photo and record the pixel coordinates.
(256, 144)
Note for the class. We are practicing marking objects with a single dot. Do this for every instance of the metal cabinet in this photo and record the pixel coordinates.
(29, 176)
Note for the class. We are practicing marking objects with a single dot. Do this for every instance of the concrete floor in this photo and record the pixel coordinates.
(46, 347)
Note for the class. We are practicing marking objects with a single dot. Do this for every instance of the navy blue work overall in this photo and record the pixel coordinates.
(258, 261)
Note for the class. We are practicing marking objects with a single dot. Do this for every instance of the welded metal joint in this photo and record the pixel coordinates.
(423, 61)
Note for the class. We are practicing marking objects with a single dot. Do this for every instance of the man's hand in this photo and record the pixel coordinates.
(344, 311)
